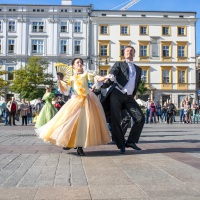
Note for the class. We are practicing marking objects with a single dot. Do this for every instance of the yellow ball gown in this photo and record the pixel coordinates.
(81, 121)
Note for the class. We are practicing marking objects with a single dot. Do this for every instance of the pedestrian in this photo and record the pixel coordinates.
(183, 102)
(30, 113)
(48, 110)
(125, 78)
(195, 110)
(153, 112)
(147, 106)
(12, 108)
(24, 111)
(81, 121)
(170, 112)
(159, 112)
(164, 112)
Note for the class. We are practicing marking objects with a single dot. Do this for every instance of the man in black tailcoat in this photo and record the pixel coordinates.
(125, 78)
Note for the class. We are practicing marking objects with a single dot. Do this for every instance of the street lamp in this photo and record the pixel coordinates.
(98, 61)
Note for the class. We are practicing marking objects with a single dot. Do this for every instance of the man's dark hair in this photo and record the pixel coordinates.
(130, 47)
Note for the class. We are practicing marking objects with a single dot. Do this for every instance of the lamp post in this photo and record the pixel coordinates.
(98, 61)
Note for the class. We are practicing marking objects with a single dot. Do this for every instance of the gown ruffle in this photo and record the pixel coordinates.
(79, 123)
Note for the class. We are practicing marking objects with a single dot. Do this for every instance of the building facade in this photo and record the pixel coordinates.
(57, 33)
(165, 44)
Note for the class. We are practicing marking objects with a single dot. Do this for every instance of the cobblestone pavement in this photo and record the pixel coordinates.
(168, 167)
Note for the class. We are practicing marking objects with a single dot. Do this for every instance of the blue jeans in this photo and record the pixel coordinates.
(181, 115)
(147, 115)
(6, 118)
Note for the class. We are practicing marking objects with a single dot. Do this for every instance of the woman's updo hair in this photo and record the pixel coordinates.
(73, 61)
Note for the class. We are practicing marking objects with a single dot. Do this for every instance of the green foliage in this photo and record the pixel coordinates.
(29, 81)
(3, 82)
(142, 89)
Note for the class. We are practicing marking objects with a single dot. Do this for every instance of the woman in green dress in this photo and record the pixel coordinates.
(48, 111)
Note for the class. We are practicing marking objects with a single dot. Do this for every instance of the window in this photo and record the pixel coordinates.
(165, 30)
(11, 26)
(181, 31)
(103, 72)
(103, 50)
(143, 50)
(165, 51)
(104, 29)
(63, 26)
(124, 30)
(0, 26)
(77, 10)
(63, 46)
(77, 27)
(145, 74)
(37, 46)
(182, 51)
(10, 73)
(182, 74)
(165, 76)
(11, 46)
(143, 30)
(77, 47)
(38, 27)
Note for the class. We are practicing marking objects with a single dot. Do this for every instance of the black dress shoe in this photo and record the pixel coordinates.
(132, 145)
(122, 150)
(66, 148)
(80, 151)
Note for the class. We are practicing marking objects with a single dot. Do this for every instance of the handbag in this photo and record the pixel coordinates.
(17, 117)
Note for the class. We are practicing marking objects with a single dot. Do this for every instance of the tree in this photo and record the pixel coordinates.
(29, 81)
(142, 88)
(3, 82)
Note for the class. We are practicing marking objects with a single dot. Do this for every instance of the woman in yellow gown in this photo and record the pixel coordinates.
(81, 121)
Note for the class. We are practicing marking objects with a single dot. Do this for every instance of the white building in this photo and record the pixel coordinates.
(165, 44)
(56, 32)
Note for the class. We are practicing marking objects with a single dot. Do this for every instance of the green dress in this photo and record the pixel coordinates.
(48, 111)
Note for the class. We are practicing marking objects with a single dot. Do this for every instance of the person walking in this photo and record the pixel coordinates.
(125, 78)
(153, 112)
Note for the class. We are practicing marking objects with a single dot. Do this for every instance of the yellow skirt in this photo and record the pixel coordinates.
(79, 123)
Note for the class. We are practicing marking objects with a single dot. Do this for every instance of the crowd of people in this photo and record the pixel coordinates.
(25, 112)
(156, 113)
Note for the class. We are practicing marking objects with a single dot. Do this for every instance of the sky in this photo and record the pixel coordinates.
(142, 5)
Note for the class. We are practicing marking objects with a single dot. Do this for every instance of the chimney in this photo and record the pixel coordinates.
(67, 2)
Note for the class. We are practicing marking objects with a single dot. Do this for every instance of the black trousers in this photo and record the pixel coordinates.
(12, 115)
(24, 119)
(118, 102)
